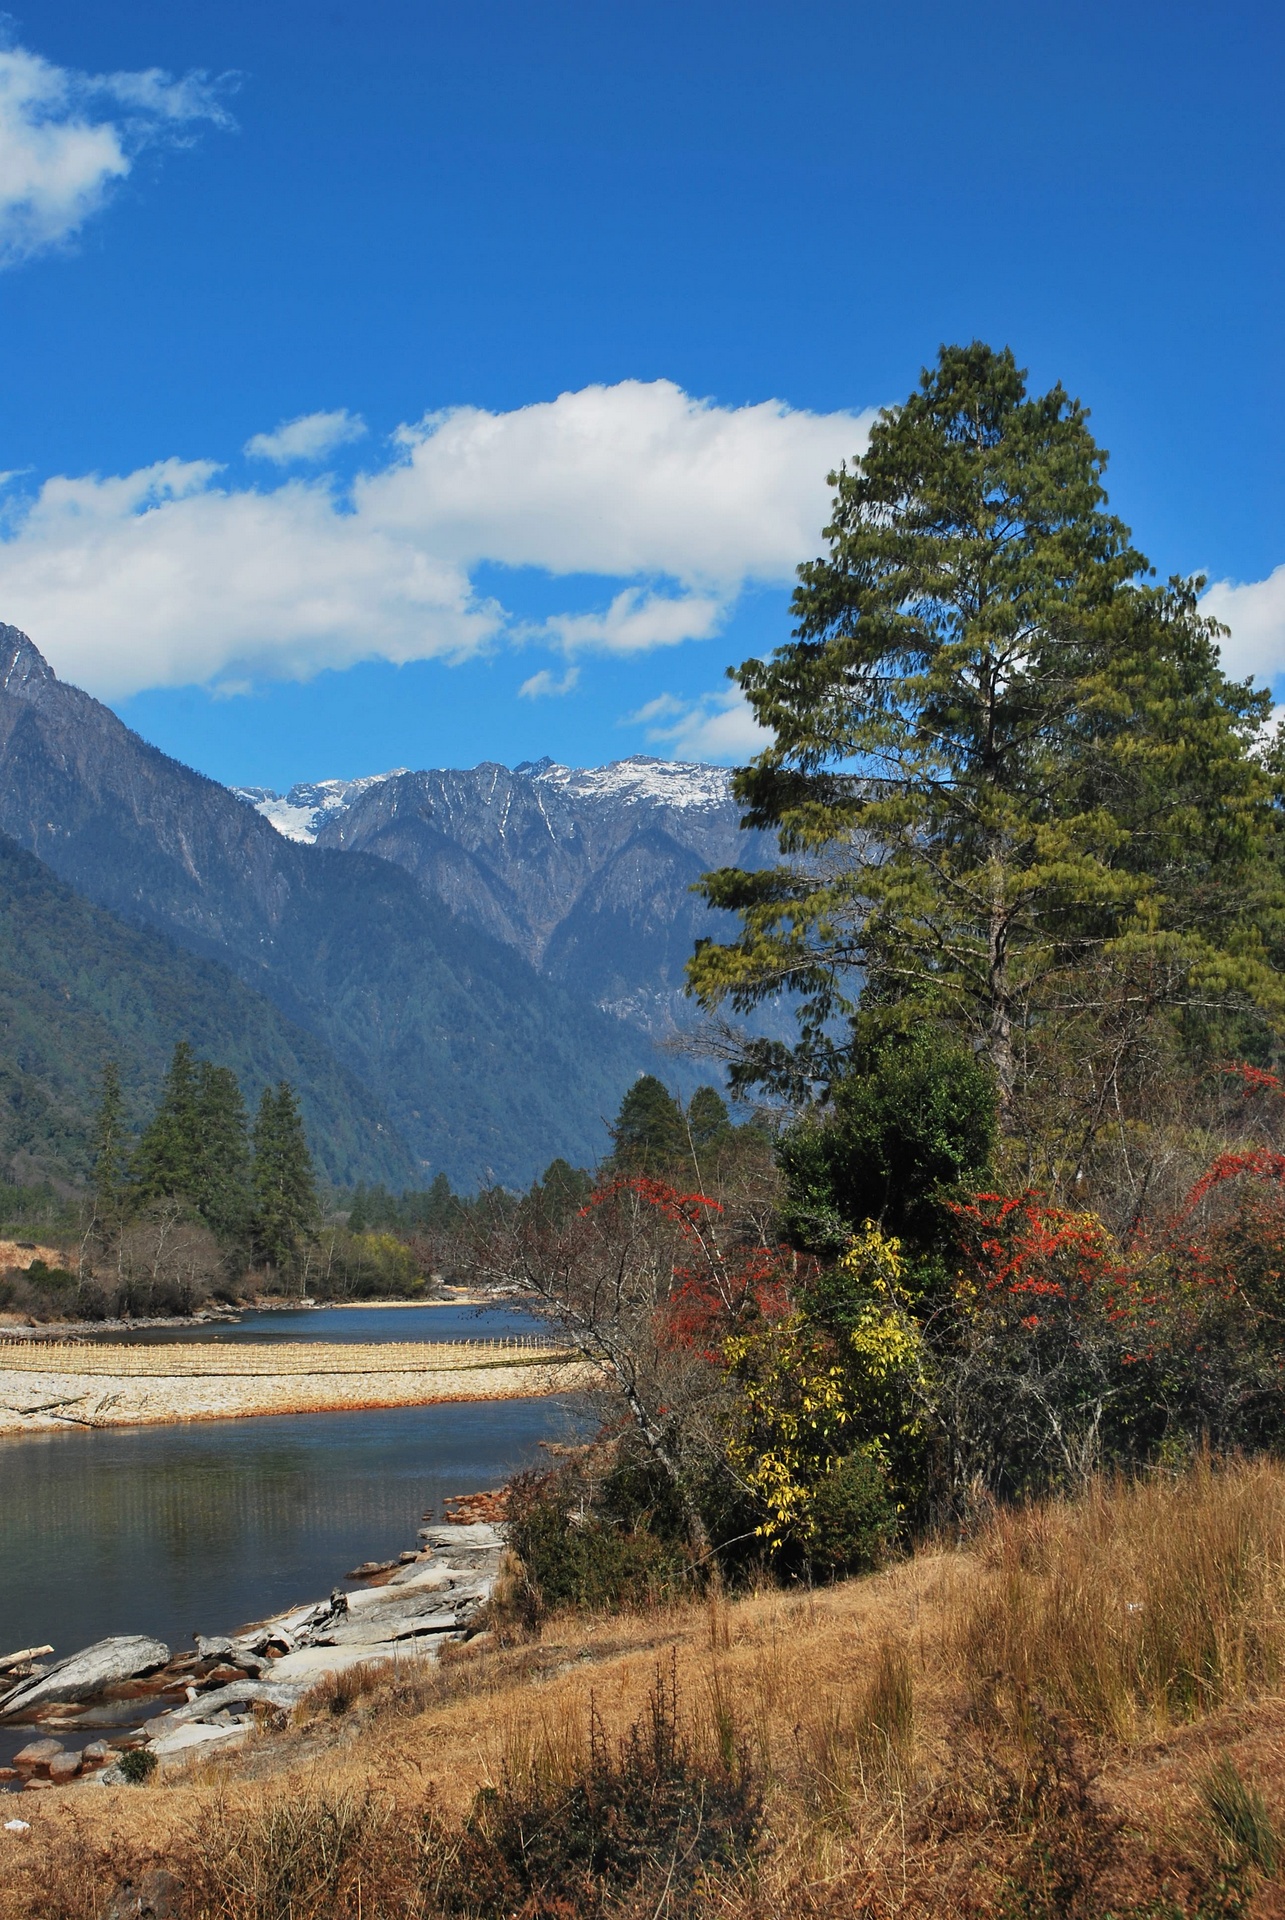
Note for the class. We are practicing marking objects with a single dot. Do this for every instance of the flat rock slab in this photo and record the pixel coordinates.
(480, 1535)
(450, 1584)
(185, 1739)
(83, 1675)
(242, 1693)
(419, 1573)
(398, 1626)
(312, 1664)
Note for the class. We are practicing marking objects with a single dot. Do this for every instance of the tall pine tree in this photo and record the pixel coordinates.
(285, 1198)
(1016, 794)
(221, 1161)
(167, 1157)
(650, 1133)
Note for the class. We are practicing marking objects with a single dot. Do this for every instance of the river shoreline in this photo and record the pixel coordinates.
(104, 1386)
(12, 1327)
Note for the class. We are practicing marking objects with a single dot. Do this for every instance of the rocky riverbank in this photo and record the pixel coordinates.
(134, 1697)
(45, 1387)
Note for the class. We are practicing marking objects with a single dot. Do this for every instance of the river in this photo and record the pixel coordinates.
(204, 1527)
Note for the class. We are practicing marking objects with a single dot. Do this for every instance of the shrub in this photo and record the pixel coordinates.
(851, 1515)
(897, 1141)
(574, 1840)
(137, 1766)
(574, 1555)
(49, 1279)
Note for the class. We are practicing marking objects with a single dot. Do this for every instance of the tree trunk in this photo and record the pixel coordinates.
(1000, 1042)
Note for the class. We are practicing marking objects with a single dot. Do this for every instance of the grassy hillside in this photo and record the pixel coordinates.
(1077, 1716)
(79, 987)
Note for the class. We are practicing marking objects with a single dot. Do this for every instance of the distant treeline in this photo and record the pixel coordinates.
(207, 1203)
(652, 1131)
(251, 1184)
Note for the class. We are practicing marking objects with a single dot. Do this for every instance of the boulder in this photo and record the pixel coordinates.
(207, 1705)
(213, 1647)
(64, 1767)
(82, 1675)
(480, 1537)
(36, 1755)
(224, 1674)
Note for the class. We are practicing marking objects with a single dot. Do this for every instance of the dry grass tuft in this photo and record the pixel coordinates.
(1135, 1607)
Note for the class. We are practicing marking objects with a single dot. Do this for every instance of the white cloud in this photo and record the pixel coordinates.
(718, 726)
(67, 137)
(1256, 615)
(165, 579)
(636, 621)
(638, 478)
(169, 576)
(311, 437)
(545, 682)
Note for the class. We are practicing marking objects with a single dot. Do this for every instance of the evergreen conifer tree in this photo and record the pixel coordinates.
(650, 1133)
(285, 1198)
(1016, 795)
(165, 1163)
(221, 1160)
(707, 1118)
(441, 1209)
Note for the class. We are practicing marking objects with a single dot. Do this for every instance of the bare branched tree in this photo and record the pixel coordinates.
(633, 1279)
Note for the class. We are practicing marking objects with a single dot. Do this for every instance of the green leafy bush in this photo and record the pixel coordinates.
(898, 1140)
(576, 1555)
(852, 1515)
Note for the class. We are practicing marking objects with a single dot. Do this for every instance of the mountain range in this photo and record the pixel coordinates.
(469, 966)
(586, 872)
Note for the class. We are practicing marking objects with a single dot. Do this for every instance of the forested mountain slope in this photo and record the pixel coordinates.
(78, 987)
(487, 1069)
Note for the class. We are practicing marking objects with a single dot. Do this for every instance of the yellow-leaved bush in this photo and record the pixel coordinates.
(827, 1408)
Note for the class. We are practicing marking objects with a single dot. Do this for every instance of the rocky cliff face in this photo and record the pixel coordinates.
(487, 1067)
(586, 872)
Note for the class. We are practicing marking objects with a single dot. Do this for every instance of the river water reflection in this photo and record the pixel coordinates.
(168, 1530)
(206, 1526)
(343, 1326)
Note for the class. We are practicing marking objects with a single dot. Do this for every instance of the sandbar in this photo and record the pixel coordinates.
(46, 1387)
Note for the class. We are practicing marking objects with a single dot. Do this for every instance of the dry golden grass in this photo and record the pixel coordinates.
(1026, 1727)
(1134, 1610)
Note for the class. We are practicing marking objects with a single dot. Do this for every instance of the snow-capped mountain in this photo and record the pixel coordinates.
(586, 871)
(417, 1041)
(305, 810)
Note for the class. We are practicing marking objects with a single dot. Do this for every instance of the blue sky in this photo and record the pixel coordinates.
(532, 278)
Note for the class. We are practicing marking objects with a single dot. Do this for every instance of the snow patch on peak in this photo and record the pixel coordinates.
(305, 810)
(680, 784)
(669, 783)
